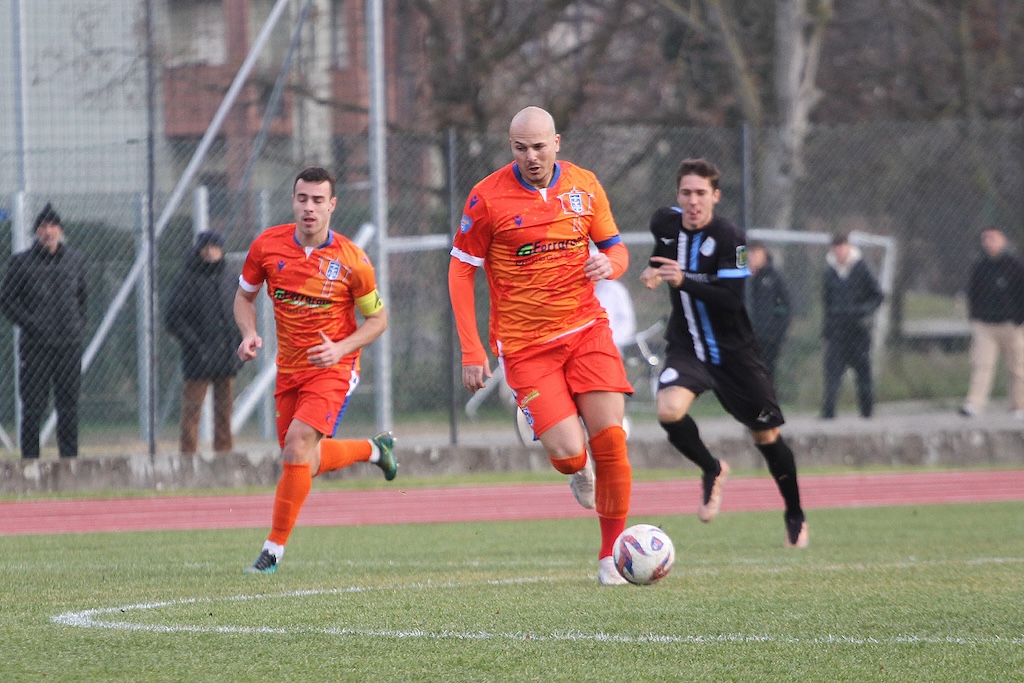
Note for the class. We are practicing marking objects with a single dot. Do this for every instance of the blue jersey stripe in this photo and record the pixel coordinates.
(610, 242)
(732, 273)
(709, 334)
(694, 253)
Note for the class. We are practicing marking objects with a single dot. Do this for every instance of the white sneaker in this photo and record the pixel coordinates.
(582, 485)
(607, 574)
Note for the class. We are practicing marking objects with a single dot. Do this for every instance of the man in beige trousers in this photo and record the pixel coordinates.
(995, 303)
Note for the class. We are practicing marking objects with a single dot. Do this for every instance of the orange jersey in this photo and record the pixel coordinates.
(312, 293)
(533, 246)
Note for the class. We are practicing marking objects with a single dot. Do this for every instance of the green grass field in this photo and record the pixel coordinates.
(917, 593)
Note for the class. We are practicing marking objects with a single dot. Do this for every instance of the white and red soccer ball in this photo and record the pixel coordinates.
(643, 554)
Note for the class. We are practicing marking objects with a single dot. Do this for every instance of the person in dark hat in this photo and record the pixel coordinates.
(199, 314)
(43, 292)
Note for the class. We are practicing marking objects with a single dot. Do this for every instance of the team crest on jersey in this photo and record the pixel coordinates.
(741, 256)
(333, 270)
(465, 224)
(708, 247)
(575, 201)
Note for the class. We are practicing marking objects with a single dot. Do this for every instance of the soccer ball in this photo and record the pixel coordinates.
(643, 554)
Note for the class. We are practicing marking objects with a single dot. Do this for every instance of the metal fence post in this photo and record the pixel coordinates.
(265, 310)
(144, 313)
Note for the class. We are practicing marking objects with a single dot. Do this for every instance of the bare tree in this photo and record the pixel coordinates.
(488, 56)
(779, 114)
(800, 27)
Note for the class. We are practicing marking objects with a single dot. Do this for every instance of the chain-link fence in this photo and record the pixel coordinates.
(913, 195)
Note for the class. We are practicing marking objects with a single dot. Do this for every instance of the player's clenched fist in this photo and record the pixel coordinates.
(249, 346)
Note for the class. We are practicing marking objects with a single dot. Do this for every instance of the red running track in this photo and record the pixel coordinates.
(494, 503)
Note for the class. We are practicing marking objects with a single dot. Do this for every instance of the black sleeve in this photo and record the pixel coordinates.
(11, 295)
(781, 310)
(723, 294)
(664, 238)
(872, 292)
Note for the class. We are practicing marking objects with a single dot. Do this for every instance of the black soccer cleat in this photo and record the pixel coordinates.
(266, 563)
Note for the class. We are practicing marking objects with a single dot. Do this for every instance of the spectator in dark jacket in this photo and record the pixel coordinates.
(768, 304)
(851, 295)
(995, 306)
(44, 293)
(199, 313)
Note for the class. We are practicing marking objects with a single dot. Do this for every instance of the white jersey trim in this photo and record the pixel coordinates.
(467, 258)
(248, 287)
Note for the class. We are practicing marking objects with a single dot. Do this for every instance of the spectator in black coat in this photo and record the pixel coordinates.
(995, 306)
(44, 293)
(199, 314)
(768, 305)
(851, 296)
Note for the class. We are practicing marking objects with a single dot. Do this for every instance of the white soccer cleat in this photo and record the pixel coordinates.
(607, 574)
(582, 485)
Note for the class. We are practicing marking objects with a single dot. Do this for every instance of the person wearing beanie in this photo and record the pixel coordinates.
(44, 293)
(199, 314)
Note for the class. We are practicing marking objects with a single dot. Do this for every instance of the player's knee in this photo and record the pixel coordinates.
(765, 437)
(670, 413)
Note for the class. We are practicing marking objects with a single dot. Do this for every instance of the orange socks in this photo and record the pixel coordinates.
(570, 465)
(292, 489)
(610, 530)
(336, 454)
(614, 483)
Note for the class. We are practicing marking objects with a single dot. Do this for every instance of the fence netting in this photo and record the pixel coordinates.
(916, 194)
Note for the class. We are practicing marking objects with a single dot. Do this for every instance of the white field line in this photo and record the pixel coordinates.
(93, 618)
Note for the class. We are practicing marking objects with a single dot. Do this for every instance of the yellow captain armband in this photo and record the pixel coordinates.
(370, 303)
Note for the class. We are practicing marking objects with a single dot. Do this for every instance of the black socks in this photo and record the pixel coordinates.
(684, 435)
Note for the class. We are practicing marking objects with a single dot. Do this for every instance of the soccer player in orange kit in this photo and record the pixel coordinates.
(530, 225)
(317, 279)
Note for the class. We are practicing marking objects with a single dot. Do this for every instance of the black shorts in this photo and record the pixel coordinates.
(741, 384)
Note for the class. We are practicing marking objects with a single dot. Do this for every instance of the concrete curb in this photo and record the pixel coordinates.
(900, 441)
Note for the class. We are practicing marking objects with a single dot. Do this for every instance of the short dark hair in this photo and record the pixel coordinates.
(48, 216)
(840, 238)
(315, 174)
(700, 167)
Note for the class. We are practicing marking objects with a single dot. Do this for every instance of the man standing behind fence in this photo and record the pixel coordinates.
(44, 293)
(530, 224)
(199, 315)
(768, 304)
(995, 306)
(317, 280)
(851, 296)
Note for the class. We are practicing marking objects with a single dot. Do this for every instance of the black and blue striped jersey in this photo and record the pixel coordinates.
(708, 314)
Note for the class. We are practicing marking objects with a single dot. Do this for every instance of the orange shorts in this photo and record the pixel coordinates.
(316, 397)
(546, 378)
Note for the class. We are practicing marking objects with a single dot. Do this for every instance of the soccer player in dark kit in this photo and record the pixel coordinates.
(701, 258)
